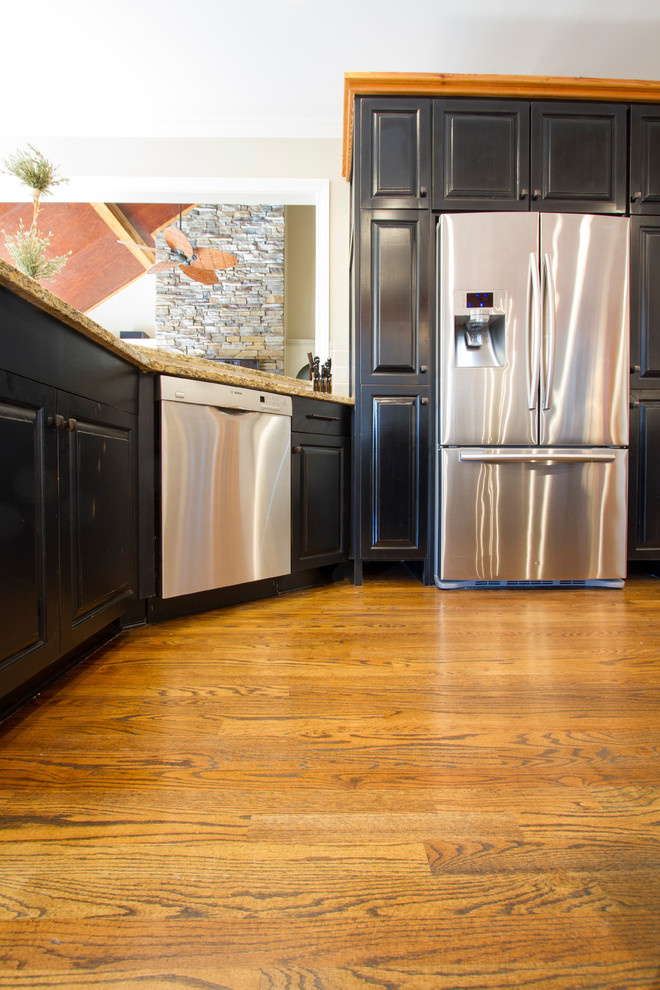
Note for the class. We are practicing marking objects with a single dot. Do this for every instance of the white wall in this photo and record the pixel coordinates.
(299, 286)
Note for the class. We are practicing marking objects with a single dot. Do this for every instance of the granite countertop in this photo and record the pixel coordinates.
(153, 361)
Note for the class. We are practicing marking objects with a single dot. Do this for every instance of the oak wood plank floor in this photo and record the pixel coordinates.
(387, 787)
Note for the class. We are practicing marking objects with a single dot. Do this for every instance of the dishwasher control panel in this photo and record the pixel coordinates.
(197, 392)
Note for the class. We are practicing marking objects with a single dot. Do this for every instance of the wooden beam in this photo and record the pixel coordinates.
(120, 225)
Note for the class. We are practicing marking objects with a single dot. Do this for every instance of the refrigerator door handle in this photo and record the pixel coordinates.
(506, 456)
(533, 330)
(551, 335)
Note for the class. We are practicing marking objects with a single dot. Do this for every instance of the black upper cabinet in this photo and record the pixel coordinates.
(571, 158)
(579, 157)
(645, 302)
(645, 159)
(480, 155)
(394, 297)
(394, 153)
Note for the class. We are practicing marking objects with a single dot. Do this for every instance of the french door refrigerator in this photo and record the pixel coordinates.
(532, 399)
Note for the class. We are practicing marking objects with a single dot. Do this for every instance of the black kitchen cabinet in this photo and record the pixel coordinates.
(68, 494)
(644, 477)
(480, 155)
(98, 516)
(394, 316)
(578, 157)
(394, 140)
(517, 155)
(320, 483)
(29, 634)
(645, 303)
(645, 159)
(394, 459)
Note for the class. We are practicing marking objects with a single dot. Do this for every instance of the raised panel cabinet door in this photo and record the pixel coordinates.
(644, 480)
(394, 445)
(645, 159)
(393, 335)
(320, 497)
(98, 512)
(29, 619)
(645, 302)
(579, 157)
(394, 150)
(480, 155)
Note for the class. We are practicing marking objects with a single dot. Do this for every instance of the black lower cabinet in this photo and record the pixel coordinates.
(394, 463)
(98, 516)
(644, 477)
(320, 484)
(29, 595)
(68, 527)
(319, 501)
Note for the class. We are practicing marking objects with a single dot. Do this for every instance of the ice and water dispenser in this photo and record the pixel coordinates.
(480, 329)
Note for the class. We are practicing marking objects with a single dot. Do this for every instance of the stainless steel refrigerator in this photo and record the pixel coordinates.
(532, 399)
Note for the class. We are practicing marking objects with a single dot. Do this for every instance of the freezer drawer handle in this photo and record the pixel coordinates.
(521, 457)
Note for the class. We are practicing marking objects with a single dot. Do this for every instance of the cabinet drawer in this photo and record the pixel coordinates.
(320, 416)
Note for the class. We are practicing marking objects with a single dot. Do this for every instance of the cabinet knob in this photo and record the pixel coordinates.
(636, 197)
(58, 422)
(634, 405)
(423, 368)
(424, 401)
(297, 450)
(423, 191)
(536, 194)
(635, 369)
(524, 193)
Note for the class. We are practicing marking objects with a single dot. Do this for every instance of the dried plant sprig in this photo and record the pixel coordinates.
(28, 249)
(33, 170)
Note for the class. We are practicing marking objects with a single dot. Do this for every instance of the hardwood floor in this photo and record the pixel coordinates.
(380, 787)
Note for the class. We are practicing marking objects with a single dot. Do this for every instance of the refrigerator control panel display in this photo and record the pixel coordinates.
(477, 300)
(490, 303)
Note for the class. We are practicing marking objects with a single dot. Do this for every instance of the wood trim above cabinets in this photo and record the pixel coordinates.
(518, 87)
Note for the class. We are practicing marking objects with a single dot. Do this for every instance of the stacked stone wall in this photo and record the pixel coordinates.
(242, 316)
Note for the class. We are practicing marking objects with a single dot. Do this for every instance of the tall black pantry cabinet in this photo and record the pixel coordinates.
(391, 285)
(644, 471)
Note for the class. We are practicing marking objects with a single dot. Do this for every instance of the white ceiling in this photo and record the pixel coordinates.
(275, 67)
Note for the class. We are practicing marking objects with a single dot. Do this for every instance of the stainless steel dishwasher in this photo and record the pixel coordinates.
(226, 485)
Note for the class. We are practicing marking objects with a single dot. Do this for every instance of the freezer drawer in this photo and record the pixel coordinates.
(532, 515)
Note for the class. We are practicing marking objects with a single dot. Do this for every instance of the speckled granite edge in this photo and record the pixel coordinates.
(154, 361)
